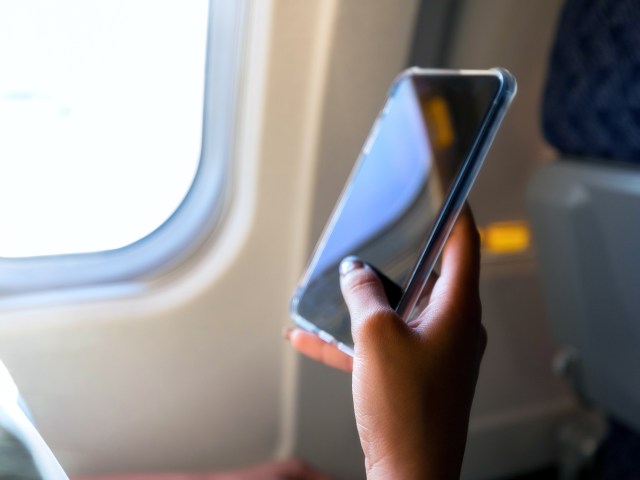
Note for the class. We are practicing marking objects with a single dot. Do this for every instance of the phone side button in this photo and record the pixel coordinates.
(326, 337)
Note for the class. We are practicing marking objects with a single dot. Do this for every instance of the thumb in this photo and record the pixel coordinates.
(363, 293)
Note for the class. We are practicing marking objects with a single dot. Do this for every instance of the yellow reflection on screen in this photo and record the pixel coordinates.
(436, 111)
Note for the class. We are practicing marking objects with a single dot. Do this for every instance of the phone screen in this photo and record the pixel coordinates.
(413, 154)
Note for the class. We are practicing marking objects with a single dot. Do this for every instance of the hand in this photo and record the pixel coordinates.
(413, 384)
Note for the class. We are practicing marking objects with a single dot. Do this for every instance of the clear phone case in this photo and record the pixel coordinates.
(319, 309)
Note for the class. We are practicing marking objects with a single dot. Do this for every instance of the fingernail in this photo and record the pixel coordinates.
(286, 332)
(349, 264)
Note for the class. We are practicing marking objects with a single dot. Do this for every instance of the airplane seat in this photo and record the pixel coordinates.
(585, 207)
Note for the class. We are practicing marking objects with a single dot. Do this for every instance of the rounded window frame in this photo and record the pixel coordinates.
(204, 205)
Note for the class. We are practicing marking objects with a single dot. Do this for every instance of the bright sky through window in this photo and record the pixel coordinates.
(100, 120)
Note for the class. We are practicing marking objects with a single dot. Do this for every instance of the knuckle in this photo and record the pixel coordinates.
(378, 325)
(358, 281)
(467, 312)
(484, 338)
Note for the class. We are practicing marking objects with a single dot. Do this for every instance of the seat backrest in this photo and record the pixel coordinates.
(585, 208)
(586, 224)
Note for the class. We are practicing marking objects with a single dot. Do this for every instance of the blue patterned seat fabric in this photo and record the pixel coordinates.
(592, 99)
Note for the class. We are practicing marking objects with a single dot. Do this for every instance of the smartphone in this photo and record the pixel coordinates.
(405, 192)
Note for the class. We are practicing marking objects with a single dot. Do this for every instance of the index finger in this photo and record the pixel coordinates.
(459, 280)
(317, 349)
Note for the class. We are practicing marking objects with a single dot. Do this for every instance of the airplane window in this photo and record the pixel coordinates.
(100, 120)
(116, 128)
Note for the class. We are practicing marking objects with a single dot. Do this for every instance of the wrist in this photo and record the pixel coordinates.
(410, 466)
(410, 473)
